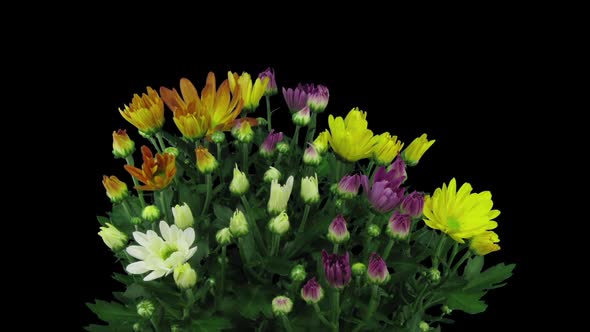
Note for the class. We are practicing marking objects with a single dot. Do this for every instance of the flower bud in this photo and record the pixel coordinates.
(145, 309)
(283, 147)
(434, 275)
(377, 272)
(309, 189)
(358, 269)
(137, 327)
(223, 236)
(424, 327)
(348, 186)
(337, 231)
(136, 220)
(311, 157)
(298, 273)
(446, 310)
(238, 226)
(206, 163)
(242, 131)
(268, 147)
(183, 216)
(281, 305)
(416, 150)
(373, 230)
(150, 213)
(116, 189)
(302, 117)
(279, 224)
(171, 150)
(321, 142)
(112, 237)
(185, 276)
(123, 146)
(218, 137)
(413, 204)
(239, 184)
(272, 174)
(312, 292)
(399, 225)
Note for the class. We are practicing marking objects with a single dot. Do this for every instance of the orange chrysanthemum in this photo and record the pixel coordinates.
(198, 116)
(156, 174)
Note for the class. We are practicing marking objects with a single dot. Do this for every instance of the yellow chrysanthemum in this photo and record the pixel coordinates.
(416, 150)
(349, 137)
(251, 93)
(145, 112)
(460, 214)
(485, 243)
(321, 142)
(386, 148)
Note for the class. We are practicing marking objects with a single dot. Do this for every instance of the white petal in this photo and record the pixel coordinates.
(138, 252)
(137, 268)
(165, 230)
(190, 253)
(141, 238)
(154, 275)
(189, 236)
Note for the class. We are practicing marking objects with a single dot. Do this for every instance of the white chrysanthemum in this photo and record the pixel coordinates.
(279, 196)
(161, 254)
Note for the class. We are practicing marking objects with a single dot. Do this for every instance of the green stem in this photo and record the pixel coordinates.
(436, 258)
(305, 215)
(268, 113)
(295, 137)
(321, 316)
(253, 223)
(160, 140)
(223, 262)
(420, 297)
(335, 248)
(276, 240)
(245, 157)
(131, 162)
(311, 127)
(209, 184)
(156, 327)
(153, 141)
(370, 168)
(387, 250)
(460, 262)
(373, 304)
(286, 323)
(163, 206)
(336, 309)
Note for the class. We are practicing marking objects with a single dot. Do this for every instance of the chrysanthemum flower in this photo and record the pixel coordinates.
(296, 99)
(161, 254)
(146, 113)
(123, 146)
(386, 148)
(485, 243)
(271, 87)
(156, 174)
(116, 189)
(349, 137)
(279, 195)
(250, 93)
(206, 163)
(416, 150)
(322, 141)
(461, 214)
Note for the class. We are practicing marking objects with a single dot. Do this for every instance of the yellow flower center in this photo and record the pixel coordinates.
(454, 224)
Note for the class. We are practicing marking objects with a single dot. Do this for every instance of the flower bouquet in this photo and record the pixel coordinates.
(234, 225)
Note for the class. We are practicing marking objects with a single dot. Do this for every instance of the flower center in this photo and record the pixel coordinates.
(453, 223)
(167, 251)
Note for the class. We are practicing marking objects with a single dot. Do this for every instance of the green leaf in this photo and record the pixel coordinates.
(108, 328)
(253, 301)
(222, 212)
(473, 268)
(467, 301)
(103, 220)
(211, 324)
(490, 277)
(112, 311)
(135, 291)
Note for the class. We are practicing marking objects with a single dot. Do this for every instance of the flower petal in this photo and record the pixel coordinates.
(137, 268)
(154, 275)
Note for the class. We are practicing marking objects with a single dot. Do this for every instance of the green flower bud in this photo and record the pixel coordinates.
(446, 310)
(424, 326)
(136, 220)
(211, 282)
(171, 150)
(283, 147)
(137, 327)
(298, 273)
(112, 237)
(279, 224)
(281, 305)
(185, 276)
(373, 230)
(261, 121)
(150, 213)
(238, 226)
(311, 157)
(272, 174)
(434, 275)
(183, 216)
(223, 236)
(175, 328)
(239, 184)
(145, 309)
(358, 269)
(218, 137)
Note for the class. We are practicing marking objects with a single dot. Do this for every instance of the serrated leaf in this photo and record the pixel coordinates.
(211, 324)
(253, 301)
(473, 268)
(135, 291)
(467, 301)
(277, 265)
(112, 312)
(490, 277)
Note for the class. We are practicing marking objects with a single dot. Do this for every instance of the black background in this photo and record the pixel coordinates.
(467, 100)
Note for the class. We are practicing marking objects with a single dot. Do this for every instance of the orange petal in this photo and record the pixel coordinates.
(189, 92)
